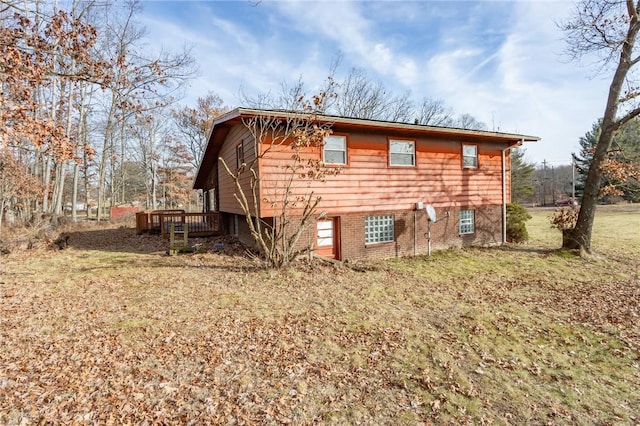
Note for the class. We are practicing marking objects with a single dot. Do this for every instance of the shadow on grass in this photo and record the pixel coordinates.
(121, 239)
(525, 249)
(230, 255)
(211, 266)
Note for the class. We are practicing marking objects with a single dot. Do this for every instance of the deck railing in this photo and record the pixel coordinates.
(159, 221)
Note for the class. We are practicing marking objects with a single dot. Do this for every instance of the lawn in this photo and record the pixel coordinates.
(113, 331)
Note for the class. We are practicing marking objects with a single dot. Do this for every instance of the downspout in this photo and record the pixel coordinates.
(504, 190)
(415, 232)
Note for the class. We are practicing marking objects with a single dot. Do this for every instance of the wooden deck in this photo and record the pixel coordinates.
(159, 222)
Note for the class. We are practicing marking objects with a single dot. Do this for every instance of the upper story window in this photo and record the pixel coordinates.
(470, 156)
(240, 155)
(335, 150)
(402, 153)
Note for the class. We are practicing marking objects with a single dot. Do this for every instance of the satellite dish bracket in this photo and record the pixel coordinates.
(431, 217)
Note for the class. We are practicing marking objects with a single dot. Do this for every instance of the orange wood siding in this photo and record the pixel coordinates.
(369, 184)
(227, 188)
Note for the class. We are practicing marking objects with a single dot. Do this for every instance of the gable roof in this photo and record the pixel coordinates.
(223, 124)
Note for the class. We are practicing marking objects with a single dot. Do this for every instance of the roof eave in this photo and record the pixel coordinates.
(381, 124)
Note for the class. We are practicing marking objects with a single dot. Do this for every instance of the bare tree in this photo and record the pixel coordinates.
(292, 97)
(148, 133)
(195, 123)
(400, 108)
(467, 121)
(361, 97)
(434, 112)
(176, 173)
(609, 29)
(300, 135)
(141, 83)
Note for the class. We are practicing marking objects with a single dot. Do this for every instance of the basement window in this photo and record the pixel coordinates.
(378, 229)
(467, 222)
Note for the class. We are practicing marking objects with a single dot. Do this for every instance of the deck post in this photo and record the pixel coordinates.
(172, 239)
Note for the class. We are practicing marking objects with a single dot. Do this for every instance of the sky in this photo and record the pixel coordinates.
(503, 62)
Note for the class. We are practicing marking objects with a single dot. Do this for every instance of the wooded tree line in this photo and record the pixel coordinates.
(88, 110)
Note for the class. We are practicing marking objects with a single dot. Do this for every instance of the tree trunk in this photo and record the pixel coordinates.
(102, 176)
(104, 155)
(81, 147)
(154, 187)
(568, 239)
(87, 188)
(123, 177)
(46, 180)
(581, 234)
(74, 192)
(59, 195)
(2, 203)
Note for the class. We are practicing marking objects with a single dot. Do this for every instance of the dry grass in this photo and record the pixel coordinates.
(111, 330)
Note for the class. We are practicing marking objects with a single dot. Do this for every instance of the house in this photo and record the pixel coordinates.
(389, 173)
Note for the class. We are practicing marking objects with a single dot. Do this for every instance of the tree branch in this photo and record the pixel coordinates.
(627, 117)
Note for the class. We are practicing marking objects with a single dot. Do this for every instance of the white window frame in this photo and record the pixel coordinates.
(379, 229)
(343, 150)
(472, 157)
(467, 222)
(403, 153)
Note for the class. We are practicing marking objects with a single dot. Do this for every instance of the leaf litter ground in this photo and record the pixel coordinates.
(113, 331)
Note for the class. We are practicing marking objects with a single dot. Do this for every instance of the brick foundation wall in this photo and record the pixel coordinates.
(410, 232)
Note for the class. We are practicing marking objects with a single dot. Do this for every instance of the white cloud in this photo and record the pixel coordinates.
(343, 24)
(499, 61)
(550, 96)
(231, 57)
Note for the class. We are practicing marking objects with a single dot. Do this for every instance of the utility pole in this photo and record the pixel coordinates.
(553, 185)
(544, 178)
